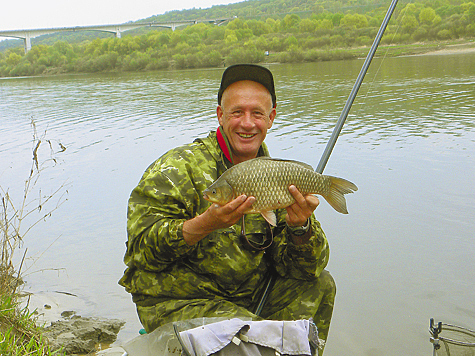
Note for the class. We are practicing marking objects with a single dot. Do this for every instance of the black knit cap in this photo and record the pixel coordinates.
(238, 72)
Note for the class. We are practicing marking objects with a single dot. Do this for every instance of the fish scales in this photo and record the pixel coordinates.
(268, 180)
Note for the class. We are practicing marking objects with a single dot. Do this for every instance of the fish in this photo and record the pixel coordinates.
(268, 180)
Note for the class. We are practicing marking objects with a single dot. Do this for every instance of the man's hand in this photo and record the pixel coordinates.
(216, 217)
(229, 214)
(299, 212)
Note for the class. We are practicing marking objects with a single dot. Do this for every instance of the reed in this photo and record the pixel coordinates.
(19, 332)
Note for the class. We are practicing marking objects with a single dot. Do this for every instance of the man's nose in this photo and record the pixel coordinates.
(247, 119)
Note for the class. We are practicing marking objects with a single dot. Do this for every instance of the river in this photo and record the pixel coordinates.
(403, 254)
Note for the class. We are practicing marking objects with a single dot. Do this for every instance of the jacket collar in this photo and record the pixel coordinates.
(220, 148)
(225, 147)
(224, 144)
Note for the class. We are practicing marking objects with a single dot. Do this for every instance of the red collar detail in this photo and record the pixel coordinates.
(222, 144)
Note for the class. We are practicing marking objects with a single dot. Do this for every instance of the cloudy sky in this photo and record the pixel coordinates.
(29, 14)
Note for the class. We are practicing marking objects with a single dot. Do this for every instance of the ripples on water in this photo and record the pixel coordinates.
(308, 103)
(408, 144)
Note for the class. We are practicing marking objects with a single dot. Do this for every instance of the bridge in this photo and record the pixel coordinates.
(27, 35)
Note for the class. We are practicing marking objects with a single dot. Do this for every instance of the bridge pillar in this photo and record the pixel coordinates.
(117, 33)
(27, 40)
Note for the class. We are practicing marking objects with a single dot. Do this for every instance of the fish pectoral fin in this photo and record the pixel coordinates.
(270, 217)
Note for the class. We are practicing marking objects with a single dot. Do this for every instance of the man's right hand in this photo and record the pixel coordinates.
(216, 217)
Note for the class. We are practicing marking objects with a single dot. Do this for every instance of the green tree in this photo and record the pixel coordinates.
(470, 29)
(258, 28)
(427, 15)
(273, 24)
(325, 24)
(291, 41)
(236, 24)
(249, 54)
(469, 11)
(290, 21)
(409, 23)
(409, 10)
(230, 36)
(354, 21)
(212, 59)
(216, 33)
(437, 20)
(13, 59)
(336, 18)
(307, 25)
(444, 34)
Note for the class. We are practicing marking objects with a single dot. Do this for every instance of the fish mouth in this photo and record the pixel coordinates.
(205, 196)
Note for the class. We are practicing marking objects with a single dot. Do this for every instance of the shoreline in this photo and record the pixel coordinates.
(461, 48)
(464, 46)
(56, 312)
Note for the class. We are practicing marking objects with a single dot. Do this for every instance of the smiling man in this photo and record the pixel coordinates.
(245, 114)
(187, 259)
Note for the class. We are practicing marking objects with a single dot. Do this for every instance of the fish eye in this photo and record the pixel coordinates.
(213, 191)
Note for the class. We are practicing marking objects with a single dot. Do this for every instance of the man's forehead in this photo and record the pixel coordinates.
(244, 72)
(246, 88)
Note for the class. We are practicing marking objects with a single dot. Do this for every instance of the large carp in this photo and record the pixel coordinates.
(268, 180)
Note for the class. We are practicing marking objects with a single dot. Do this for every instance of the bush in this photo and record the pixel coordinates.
(212, 59)
(444, 35)
(247, 55)
(364, 41)
(316, 56)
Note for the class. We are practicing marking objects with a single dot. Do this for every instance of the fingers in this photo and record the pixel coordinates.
(229, 214)
(239, 205)
(302, 209)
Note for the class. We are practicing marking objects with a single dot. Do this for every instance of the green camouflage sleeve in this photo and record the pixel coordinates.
(300, 261)
(166, 196)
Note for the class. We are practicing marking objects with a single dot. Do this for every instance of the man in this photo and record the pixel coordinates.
(188, 259)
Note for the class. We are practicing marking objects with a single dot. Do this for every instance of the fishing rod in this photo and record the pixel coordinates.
(351, 98)
(339, 125)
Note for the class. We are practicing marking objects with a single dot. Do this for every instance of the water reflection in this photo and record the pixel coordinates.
(408, 144)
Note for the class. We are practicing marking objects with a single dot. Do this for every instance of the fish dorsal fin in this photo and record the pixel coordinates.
(287, 160)
(270, 217)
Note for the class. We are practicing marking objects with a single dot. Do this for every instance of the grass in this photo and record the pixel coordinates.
(19, 333)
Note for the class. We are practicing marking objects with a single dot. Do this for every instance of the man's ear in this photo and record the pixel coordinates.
(272, 115)
(220, 113)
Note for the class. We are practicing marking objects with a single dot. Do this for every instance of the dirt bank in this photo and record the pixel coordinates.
(452, 49)
(64, 328)
(82, 336)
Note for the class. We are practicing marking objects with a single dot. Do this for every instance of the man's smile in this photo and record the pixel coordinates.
(243, 135)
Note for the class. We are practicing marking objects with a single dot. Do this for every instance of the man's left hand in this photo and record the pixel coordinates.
(299, 212)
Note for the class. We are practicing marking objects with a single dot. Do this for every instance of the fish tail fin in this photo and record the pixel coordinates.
(336, 197)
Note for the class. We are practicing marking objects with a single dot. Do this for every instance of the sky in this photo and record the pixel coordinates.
(31, 14)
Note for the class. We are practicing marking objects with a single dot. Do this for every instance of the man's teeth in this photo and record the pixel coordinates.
(246, 135)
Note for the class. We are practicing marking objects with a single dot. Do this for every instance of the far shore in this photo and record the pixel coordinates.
(452, 49)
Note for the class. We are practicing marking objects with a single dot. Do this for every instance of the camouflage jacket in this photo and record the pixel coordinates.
(161, 265)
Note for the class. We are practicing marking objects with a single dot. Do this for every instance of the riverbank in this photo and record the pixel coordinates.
(459, 48)
(422, 49)
(113, 62)
(66, 330)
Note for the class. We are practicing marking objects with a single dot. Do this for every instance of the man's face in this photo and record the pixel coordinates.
(246, 113)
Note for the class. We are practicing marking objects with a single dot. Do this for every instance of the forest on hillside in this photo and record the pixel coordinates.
(262, 30)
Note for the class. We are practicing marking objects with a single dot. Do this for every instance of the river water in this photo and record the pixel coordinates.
(403, 255)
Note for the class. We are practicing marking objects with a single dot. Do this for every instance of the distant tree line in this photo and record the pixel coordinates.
(315, 35)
